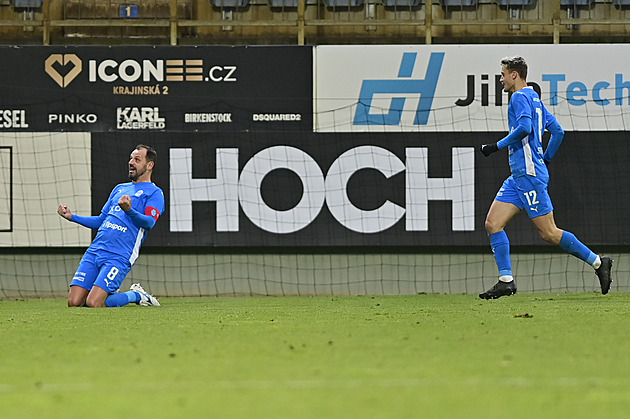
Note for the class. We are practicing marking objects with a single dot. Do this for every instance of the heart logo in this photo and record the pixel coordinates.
(64, 60)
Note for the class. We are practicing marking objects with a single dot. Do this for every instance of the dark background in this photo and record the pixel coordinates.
(269, 80)
(588, 187)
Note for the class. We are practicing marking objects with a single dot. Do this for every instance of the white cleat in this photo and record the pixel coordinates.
(146, 299)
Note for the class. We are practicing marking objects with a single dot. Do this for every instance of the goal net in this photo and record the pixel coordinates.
(356, 172)
(284, 236)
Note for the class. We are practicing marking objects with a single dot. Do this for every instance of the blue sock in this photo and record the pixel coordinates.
(570, 244)
(501, 248)
(122, 299)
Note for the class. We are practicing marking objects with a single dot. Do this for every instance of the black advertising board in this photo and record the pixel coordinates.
(241, 165)
(588, 196)
(155, 89)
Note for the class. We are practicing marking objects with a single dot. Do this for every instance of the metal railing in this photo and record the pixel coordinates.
(170, 19)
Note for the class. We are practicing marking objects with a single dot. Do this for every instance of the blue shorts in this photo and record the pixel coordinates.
(105, 270)
(527, 192)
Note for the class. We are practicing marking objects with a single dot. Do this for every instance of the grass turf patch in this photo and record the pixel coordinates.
(311, 357)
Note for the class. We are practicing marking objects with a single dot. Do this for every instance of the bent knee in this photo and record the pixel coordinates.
(551, 237)
(75, 302)
(93, 302)
(492, 227)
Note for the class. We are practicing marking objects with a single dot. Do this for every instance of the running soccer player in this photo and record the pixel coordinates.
(526, 188)
(131, 211)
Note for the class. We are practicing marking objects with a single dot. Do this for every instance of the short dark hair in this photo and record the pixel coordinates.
(517, 64)
(151, 153)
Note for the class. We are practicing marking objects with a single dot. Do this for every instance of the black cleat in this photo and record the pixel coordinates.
(603, 273)
(499, 290)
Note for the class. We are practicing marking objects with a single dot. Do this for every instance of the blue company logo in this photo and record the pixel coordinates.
(403, 85)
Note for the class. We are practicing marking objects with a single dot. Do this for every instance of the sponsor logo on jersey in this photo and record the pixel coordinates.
(115, 227)
(79, 276)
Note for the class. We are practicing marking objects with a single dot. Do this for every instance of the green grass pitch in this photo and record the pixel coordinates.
(423, 356)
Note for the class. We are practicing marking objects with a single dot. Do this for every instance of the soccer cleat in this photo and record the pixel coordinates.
(499, 289)
(603, 273)
(146, 299)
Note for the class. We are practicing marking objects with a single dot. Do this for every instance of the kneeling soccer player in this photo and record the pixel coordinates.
(131, 211)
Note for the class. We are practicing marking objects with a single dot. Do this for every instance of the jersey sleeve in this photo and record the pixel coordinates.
(522, 130)
(108, 204)
(93, 222)
(521, 106)
(552, 125)
(143, 221)
(154, 206)
(548, 117)
(146, 212)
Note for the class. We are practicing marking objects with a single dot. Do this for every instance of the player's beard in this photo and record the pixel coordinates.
(138, 172)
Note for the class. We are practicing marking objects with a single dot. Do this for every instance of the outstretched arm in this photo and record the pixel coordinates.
(64, 211)
(90, 222)
(93, 222)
